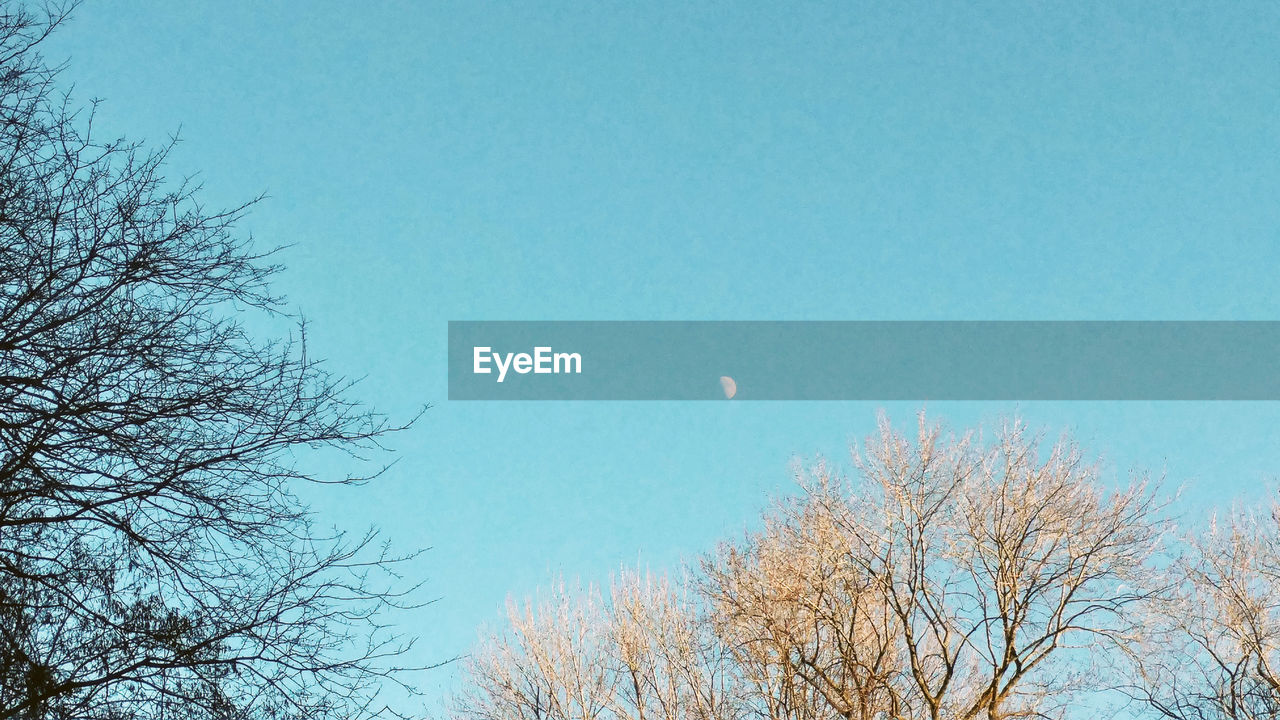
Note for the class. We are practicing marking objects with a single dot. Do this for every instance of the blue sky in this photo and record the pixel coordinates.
(709, 161)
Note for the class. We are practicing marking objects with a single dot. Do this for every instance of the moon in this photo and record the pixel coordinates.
(729, 386)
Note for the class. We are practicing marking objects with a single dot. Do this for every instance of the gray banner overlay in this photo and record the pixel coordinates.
(914, 360)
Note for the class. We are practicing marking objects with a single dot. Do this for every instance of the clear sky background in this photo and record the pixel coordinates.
(709, 161)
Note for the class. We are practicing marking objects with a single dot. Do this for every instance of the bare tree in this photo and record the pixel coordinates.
(944, 579)
(1214, 650)
(806, 626)
(553, 664)
(153, 560)
(576, 656)
(672, 667)
(995, 563)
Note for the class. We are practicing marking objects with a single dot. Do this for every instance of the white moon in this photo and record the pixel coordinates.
(729, 386)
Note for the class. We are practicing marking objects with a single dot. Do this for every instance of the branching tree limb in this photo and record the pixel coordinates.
(153, 560)
(944, 579)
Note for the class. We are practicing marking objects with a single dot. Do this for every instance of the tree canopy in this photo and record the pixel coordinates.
(945, 577)
(154, 559)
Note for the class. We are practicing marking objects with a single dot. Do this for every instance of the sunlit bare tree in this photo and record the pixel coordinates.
(1006, 567)
(806, 627)
(673, 668)
(944, 578)
(1214, 650)
(578, 655)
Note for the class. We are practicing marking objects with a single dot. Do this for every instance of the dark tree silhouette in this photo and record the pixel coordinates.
(153, 560)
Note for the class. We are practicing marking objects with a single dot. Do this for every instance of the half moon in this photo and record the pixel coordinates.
(729, 386)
